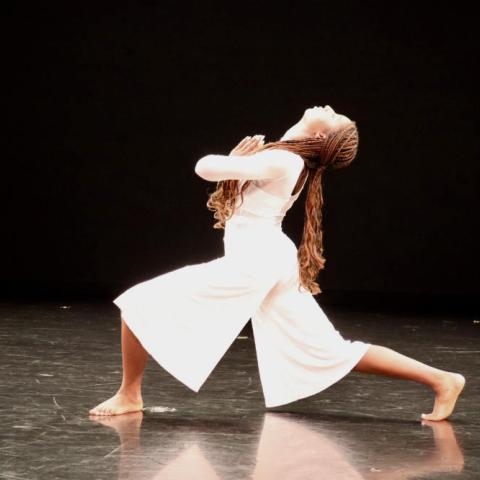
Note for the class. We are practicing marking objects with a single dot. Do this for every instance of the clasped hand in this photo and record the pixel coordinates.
(248, 145)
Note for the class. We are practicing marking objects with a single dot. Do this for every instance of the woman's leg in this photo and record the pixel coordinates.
(129, 396)
(446, 385)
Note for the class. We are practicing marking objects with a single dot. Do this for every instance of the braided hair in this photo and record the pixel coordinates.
(336, 149)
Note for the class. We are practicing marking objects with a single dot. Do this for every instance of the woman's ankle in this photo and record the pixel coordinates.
(133, 393)
(439, 379)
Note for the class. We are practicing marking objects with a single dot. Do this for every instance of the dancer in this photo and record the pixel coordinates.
(187, 318)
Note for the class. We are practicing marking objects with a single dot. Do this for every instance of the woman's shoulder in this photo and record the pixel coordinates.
(282, 185)
(291, 160)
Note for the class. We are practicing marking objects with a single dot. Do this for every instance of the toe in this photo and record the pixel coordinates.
(431, 416)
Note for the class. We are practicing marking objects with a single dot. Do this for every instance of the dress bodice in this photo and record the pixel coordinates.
(262, 207)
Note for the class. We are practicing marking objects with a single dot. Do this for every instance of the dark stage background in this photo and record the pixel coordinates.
(109, 107)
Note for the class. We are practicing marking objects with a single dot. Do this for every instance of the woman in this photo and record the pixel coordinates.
(187, 318)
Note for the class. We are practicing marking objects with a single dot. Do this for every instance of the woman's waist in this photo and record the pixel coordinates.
(265, 237)
(237, 226)
(242, 219)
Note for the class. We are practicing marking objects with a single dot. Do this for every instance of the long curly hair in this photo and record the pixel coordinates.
(337, 149)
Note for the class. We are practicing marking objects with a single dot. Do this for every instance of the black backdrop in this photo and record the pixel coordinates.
(109, 107)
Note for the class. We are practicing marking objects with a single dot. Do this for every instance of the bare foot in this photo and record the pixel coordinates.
(118, 404)
(445, 396)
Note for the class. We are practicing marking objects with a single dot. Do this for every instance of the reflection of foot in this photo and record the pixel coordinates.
(445, 396)
(127, 423)
(441, 430)
(127, 427)
(448, 455)
(118, 404)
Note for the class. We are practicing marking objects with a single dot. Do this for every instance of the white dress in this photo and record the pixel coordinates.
(186, 319)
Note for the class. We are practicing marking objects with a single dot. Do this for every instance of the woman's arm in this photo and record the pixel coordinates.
(265, 164)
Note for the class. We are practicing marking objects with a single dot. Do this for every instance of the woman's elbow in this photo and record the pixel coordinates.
(202, 169)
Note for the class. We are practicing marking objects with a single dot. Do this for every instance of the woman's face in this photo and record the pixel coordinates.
(316, 122)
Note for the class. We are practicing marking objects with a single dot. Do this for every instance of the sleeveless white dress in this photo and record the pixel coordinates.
(186, 319)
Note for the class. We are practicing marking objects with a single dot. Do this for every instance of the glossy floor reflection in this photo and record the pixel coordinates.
(60, 360)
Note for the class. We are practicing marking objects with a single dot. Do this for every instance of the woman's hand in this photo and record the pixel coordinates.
(248, 145)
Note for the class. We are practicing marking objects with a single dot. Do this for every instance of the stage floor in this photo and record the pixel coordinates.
(59, 360)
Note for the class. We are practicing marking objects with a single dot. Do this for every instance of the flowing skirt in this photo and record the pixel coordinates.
(186, 319)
